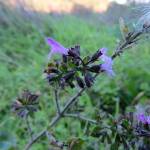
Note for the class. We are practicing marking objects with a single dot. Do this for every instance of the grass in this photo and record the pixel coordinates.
(23, 56)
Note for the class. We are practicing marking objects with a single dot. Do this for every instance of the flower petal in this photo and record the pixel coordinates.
(103, 50)
(108, 62)
(148, 119)
(141, 118)
(56, 48)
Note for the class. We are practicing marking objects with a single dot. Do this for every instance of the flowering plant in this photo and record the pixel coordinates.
(72, 71)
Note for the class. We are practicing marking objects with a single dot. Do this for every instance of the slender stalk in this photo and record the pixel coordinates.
(56, 101)
(29, 127)
(78, 116)
(72, 100)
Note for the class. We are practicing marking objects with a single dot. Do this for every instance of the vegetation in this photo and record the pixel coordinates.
(23, 58)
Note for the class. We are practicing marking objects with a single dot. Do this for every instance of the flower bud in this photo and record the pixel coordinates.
(69, 75)
(96, 56)
(88, 80)
(72, 53)
(64, 57)
(80, 82)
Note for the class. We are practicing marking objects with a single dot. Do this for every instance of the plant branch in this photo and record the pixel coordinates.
(78, 116)
(55, 119)
(129, 40)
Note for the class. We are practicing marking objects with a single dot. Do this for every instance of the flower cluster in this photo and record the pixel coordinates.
(73, 68)
(26, 104)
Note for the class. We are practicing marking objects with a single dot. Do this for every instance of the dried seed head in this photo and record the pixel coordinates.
(26, 104)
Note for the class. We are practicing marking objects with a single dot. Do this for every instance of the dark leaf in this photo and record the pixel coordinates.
(95, 68)
(71, 84)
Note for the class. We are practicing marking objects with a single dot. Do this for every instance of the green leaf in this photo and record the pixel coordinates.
(125, 124)
(86, 59)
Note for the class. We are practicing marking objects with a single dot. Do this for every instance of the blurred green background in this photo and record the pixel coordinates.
(23, 57)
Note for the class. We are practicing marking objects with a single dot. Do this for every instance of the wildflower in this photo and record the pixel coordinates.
(56, 48)
(108, 62)
(26, 104)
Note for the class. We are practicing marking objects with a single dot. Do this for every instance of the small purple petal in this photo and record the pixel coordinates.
(148, 119)
(142, 118)
(103, 50)
(108, 62)
(56, 48)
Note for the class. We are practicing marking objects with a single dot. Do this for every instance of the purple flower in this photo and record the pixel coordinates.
(148, 119)
(108, 62)
(144, 119)
(56, 48)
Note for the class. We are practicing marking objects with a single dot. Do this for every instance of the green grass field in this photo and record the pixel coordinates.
(23, 57)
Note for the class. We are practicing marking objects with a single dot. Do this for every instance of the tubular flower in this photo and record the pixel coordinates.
(108, 62)
(56, 48)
